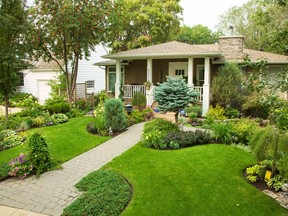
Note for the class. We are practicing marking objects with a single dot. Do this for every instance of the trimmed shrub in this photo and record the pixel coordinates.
(139, 100)
(38, 153)
(91, 128)
(115, 115)
(232, 113)
(4, 169)
(136, 117)
(187, 138)
(58, 107)
(194, 109)
(216, 113)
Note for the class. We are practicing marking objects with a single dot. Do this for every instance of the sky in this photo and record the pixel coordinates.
(206, 12)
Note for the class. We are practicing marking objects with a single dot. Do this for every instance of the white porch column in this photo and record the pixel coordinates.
(149, 70)
(118, 78)
(206, 87)
(190, 72)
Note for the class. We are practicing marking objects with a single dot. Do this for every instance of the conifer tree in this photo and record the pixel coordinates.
(174, 95)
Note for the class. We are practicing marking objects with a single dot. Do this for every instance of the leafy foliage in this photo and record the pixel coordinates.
(174, 95)
(20, 167)
(197, 34)
(100, 120)
(65, 31)
(106, 193)
(216, 113)
(269, 143)
(38, 154)
(262, 23)
(139, 100)
(183, 139)
(57, 105)
(155, 131)
(9, 139)
(115, 115)
(226, 85)
(14, 47)
(144, 23)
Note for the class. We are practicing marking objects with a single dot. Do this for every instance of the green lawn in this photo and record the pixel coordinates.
(65, 140)
(201, 180)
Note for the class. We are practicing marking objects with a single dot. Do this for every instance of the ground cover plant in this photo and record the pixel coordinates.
(65, 141)
(200, 180)
(105, 193)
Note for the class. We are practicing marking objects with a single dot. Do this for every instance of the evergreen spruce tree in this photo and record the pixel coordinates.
(174, 95)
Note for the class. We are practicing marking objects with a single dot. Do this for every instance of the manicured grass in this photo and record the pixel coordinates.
(65, 140)
(106, 193)
(200, 180)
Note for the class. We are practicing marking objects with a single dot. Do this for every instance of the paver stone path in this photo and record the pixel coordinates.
(55, 190)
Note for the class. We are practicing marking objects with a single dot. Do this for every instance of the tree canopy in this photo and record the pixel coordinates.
(66, 31)
(197, 34)
(174, 95)
(263, 23)
(145, 22)
(14, 47)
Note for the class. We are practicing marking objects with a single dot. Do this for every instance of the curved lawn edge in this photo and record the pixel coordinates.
(198, 180)
(105, 193)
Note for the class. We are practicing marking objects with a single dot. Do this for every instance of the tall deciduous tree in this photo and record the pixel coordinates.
(14, 27)
(146, 22)
(263, 23)
(174, 95)
(197, 34)
(66, 31)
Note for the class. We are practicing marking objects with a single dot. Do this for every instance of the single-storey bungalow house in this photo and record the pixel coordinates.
(35, 81)
(199, 63)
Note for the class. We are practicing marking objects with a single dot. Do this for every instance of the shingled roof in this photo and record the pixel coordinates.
(170, 49)
(176, 49)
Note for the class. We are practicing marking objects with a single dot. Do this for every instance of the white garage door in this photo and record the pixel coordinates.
(43, 90)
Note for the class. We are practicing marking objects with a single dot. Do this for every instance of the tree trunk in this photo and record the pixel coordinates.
(6, 98)
(176, 117)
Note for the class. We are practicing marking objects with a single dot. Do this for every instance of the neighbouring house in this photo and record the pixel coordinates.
(199, 63)
(35, 81)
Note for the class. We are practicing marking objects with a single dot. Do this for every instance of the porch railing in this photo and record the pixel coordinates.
(199, 89)
(130, 90)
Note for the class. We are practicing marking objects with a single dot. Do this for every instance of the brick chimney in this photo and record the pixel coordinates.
(231, 47)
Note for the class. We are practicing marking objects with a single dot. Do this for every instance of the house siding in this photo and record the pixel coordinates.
(88, 72)
(31, 79)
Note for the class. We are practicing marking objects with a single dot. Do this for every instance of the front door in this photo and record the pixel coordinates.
(178, 69)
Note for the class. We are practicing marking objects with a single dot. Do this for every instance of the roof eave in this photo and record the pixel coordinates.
(162, 56)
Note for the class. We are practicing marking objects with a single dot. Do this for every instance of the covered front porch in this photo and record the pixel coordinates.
(151, 65)
(144, 75)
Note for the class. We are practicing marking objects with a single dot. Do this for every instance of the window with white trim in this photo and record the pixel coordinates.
(112, 78)
(21, 79)
(90, 84)
(179, 72)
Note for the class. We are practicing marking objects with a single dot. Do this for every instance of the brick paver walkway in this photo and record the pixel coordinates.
(55, 190)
